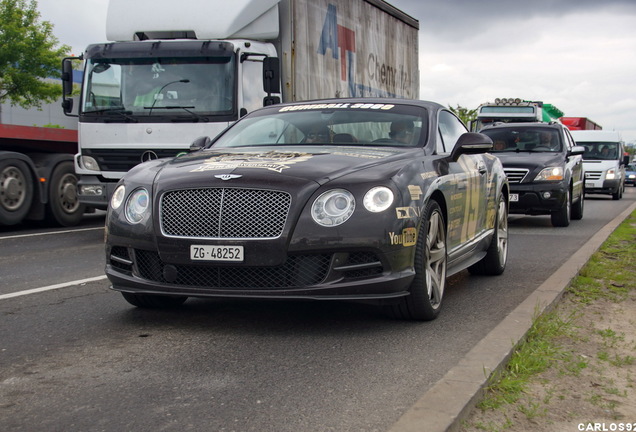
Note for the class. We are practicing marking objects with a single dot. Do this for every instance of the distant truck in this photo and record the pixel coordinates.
(174, 72)
(580, 123)
(514, 110)
(604, 161)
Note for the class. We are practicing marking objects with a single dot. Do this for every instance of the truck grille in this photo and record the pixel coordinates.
(515, 175)
(224, 213)
(593, 175)
(123, 160)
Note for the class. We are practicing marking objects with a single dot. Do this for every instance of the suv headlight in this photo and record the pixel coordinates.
(333, 207)
(550, 174)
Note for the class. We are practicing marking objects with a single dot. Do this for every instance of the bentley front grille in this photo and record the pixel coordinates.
(224, 213)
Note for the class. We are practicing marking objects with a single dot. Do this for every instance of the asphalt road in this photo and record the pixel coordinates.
(77, 357)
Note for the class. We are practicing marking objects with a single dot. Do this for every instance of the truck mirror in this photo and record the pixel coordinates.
(67, 77)
(271, 100)
(271, 75)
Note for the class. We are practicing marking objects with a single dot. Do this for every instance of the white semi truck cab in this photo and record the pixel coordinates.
(604, 161)
(171, 74)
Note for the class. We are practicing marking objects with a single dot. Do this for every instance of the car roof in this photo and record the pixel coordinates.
(395, 101)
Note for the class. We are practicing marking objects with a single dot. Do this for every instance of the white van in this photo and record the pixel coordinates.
(603, 161)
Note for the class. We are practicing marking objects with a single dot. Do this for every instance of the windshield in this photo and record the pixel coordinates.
(526, 139)
(159, 86)
(327, 124)
(600, 150)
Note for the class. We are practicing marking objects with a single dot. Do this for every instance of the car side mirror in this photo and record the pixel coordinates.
(200, 143)
(471, 143)
(577, 150)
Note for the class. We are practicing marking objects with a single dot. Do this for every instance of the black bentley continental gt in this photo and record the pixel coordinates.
(346, 199)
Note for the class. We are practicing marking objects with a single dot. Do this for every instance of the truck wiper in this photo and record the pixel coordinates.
(195, 116)
(120, 111)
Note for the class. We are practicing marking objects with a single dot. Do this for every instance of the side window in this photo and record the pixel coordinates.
(450, 129)
(569, 140)
(253, 93)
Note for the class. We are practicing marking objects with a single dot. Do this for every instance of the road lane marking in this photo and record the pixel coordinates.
(51, 287)
(50, 233)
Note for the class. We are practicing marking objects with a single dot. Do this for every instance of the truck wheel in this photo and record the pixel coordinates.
(154, 301)
(494, 263)
(618, 194)
(427, 289)
(16, 191)
(64, 207)
(561, 217)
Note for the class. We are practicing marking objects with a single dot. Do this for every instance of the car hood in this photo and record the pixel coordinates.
(530, 160)
(289, 164)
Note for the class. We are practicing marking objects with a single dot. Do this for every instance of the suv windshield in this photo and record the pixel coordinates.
(600, 150)
(159, 86)
(524, 139)
(344, 124)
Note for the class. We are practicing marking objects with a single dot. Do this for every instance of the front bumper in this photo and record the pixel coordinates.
(353, 275)
(101, 191)
(537, 198)
(602, 186)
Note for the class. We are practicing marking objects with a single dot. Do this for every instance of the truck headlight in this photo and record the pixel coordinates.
(89, 163)
(137, 206)
(550, 174)
(378, 199)
(333, 207)
(611, 174)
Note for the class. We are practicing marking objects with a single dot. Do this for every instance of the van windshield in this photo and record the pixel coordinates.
(600, 150)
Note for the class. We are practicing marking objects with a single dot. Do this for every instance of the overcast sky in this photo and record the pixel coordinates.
(579, 55)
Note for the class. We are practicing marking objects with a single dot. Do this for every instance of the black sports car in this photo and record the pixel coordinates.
(349, 199)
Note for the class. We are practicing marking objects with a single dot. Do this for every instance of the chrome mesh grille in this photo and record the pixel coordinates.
(224, 213)
(515, 175)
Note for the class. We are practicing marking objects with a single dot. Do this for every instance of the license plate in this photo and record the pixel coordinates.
(514, 197)
(589, 185)
(216, 253)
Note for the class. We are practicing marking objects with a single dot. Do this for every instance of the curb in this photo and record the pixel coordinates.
(450, 400)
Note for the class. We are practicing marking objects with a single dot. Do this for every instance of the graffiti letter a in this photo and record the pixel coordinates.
(329, 36)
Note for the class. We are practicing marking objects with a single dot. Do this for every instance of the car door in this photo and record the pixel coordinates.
(575, 163)
(467, 186)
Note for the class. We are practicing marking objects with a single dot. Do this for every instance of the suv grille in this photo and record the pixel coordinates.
(224, 213)
(515, 175)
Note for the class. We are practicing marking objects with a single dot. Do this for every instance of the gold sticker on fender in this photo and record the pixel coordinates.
(408, 237)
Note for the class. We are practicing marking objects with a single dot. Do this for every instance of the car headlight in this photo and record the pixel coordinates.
(137, 206)
(632, 176)
(550, 174)
(118, 197)
(611, 174)
(333, 207)
(378, 199)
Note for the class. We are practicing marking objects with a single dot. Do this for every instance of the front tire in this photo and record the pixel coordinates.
(427, 289)
(561, 217)
(154, 301)
(494, 263)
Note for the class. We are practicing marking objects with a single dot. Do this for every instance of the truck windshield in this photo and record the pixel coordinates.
(151, 87)
(600, 150)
